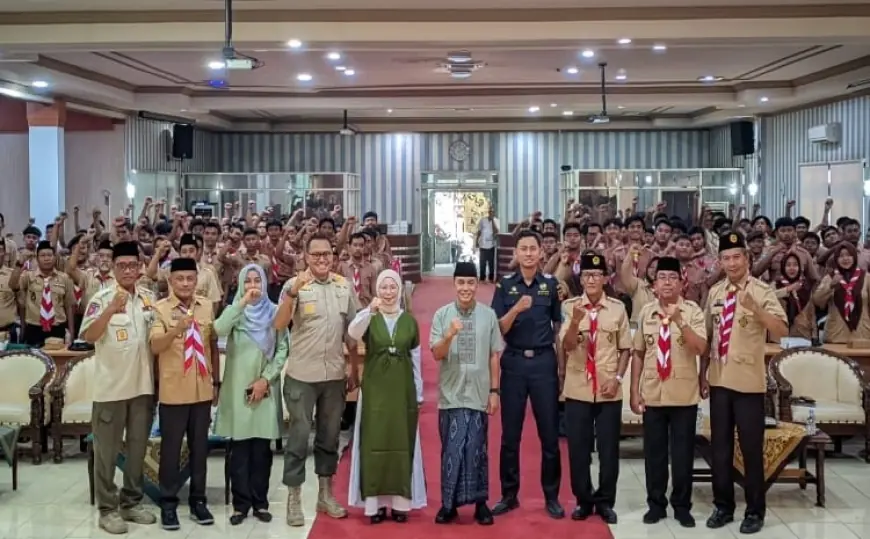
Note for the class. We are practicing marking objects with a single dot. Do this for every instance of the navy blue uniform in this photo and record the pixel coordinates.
(529, 370)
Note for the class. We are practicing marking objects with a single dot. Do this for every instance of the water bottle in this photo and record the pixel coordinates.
(699, 422)
(811, 421)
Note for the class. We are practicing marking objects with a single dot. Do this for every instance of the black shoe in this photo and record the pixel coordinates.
(685, 518)
(482, 515)
(399, 516)
(554, 509)
(169, 519)
(654, 515)
(751, 524)
(607, 514)
(200, 514)
(262, 515)
(237, 518)
(379, 517)
(446, 516)
(581, 512)
(505, 505)
(719, 519)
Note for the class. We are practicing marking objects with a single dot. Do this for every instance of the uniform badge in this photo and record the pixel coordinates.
(543, 287)
(743, 321)
(309, 308)
(650, 340)
(596, 260)
(715, 318)
(733, 238)
(93, 309)
(546, 275)
(681, 340)
(513, 291)
(121, 335)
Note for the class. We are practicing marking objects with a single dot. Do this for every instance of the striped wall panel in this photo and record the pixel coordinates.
(148, 142)
(785, 146)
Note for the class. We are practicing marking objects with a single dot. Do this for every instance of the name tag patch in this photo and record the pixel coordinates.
(513, 291)
(121, 335)
(309, 308)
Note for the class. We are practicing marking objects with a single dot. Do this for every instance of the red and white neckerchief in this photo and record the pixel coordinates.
(46, 306)
(663, 355)
(77, 294)
(635, 257)
(274, 269)
(396, 265)
(103, 280)
(194, 350)
(726, 322)
(591, 345)
(575, 266)
(356, 281)
(785, 284)
(849, 289)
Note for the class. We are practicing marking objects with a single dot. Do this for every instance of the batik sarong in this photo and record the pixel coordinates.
(464, 462)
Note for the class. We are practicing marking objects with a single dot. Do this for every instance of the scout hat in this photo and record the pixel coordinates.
(592, 261)
(731, 240)
(182, 264)
(668, 263)
(125, 248)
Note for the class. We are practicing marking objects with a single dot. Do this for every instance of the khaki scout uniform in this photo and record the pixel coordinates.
(62, 297)
(8, 305)
(836, 329)
(671, 404)
(591, 417)
(737, 389)
(123, 389)
(315, 373)
(367, 279)
(207, 285)
(185, 399)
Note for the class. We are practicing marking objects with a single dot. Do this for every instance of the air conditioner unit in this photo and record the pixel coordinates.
(827, 133)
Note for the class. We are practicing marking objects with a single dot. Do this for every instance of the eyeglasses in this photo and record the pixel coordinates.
(127, 266)
(322, 254)
(592, 276)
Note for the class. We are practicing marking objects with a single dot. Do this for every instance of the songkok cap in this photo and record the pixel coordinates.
(593, 261)
(32, 231)
(183, 264)
(784, 222)
(125, 248)
(187, 239)
(668, 263)
(731, 240)
(465, 269)
(105, 245)
(43, 245)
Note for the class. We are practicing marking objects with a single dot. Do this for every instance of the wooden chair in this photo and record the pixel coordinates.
(72, 403)
(24, 377)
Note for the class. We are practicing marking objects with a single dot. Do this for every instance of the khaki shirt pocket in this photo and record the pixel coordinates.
(118, 332)
(683, 388)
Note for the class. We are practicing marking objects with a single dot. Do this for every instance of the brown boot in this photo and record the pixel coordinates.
(295, 516)
(326, 502)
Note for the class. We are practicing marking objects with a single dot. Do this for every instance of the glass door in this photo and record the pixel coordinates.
(450, 218)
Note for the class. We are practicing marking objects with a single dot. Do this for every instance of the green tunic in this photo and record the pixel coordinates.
(244, 364)
(388, 419)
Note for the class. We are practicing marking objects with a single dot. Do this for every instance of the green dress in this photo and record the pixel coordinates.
(245, 363)
(388, 419)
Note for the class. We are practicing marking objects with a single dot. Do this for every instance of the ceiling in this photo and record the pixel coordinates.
(531, 69)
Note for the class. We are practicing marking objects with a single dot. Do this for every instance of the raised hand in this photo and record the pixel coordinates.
(748, 302)
(251, 296)
(183, 324)
(524, 304)
(375, 305)
(578, 313)
(119, 302)
(455, 326)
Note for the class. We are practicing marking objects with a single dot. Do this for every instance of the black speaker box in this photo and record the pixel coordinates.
(742, 138)
(182, 141)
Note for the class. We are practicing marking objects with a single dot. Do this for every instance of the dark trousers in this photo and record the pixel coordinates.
(588, 423)
(12, 331)
(728, 409)
(669, 430)
(35, 336)
(176, 421)
(487, 260)
(250, 469)
(534, 379)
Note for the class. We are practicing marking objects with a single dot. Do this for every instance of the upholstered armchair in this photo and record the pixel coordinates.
(24, 377)
(72, 403)
(837, 385)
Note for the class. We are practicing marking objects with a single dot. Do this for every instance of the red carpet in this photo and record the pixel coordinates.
(530, 520)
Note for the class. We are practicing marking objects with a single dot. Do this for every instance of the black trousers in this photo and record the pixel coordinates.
(535, 379)
(12, 331)
(35, 336)
(487, 260)
(729, 408)
(250, 469)
(176, 421)
(589, 424)
(669, 430)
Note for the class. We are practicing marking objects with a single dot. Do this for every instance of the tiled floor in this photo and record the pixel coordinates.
(52, 503)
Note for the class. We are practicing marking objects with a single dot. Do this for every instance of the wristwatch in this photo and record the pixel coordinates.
(619, 378)
(495, 391)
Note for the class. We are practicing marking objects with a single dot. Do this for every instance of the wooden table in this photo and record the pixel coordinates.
(64, 356)
(860, 355)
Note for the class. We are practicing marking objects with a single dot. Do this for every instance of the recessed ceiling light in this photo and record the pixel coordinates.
(389, 111)
(660, 47)
(621, 76)
(340, 68)
(216, 64)
(710, 78)
(572, 71)
(294, 43)
(588, 53)
(334, 56)
(40, 84)
(764, 99)
(349, 72)
(553, 105)
(567, 113)
(620, 107)
(459, 57)
(625, 41)
(534, 109)
(304, 77)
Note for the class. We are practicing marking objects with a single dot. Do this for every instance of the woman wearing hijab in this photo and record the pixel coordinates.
(246, 415)
(386, 463)
(846, 291)
(794, 290)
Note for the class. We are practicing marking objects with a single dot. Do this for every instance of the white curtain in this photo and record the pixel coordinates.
(847, 190)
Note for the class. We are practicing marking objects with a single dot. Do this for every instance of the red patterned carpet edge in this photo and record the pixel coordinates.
(529, 520)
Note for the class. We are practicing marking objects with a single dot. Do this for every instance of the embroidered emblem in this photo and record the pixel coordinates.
(733, 238)
(543, 286)
(93, 309)
(650, 340)
(513, 291)
(743, 321)
(681, 340)
(716, 319)
(596, 260)
(121, 335)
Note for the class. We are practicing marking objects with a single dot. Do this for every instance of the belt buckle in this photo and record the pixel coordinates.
(528, 354)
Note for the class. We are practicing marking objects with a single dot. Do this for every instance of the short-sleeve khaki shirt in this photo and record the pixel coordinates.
(743, 369)
(123, 364)
(613, 336)
(207, 285)
(178, 385)
(320, 317)
(680, 388)
(8, 304)
(62, 295)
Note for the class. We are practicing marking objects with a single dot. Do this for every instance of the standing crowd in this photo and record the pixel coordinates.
(311, 309)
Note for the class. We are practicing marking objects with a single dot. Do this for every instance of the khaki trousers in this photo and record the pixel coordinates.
(110, 421)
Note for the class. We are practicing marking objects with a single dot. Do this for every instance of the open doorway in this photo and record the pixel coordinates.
(454, 215)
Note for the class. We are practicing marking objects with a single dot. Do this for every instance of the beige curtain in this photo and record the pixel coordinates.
(847, 190)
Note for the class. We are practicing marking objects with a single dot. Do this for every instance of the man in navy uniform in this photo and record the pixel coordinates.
(529, 312)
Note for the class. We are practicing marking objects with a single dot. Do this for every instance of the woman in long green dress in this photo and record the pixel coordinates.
(386, 462)
(255, 357)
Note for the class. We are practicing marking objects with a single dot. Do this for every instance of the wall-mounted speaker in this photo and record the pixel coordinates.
(182, 141)
(742, 138)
